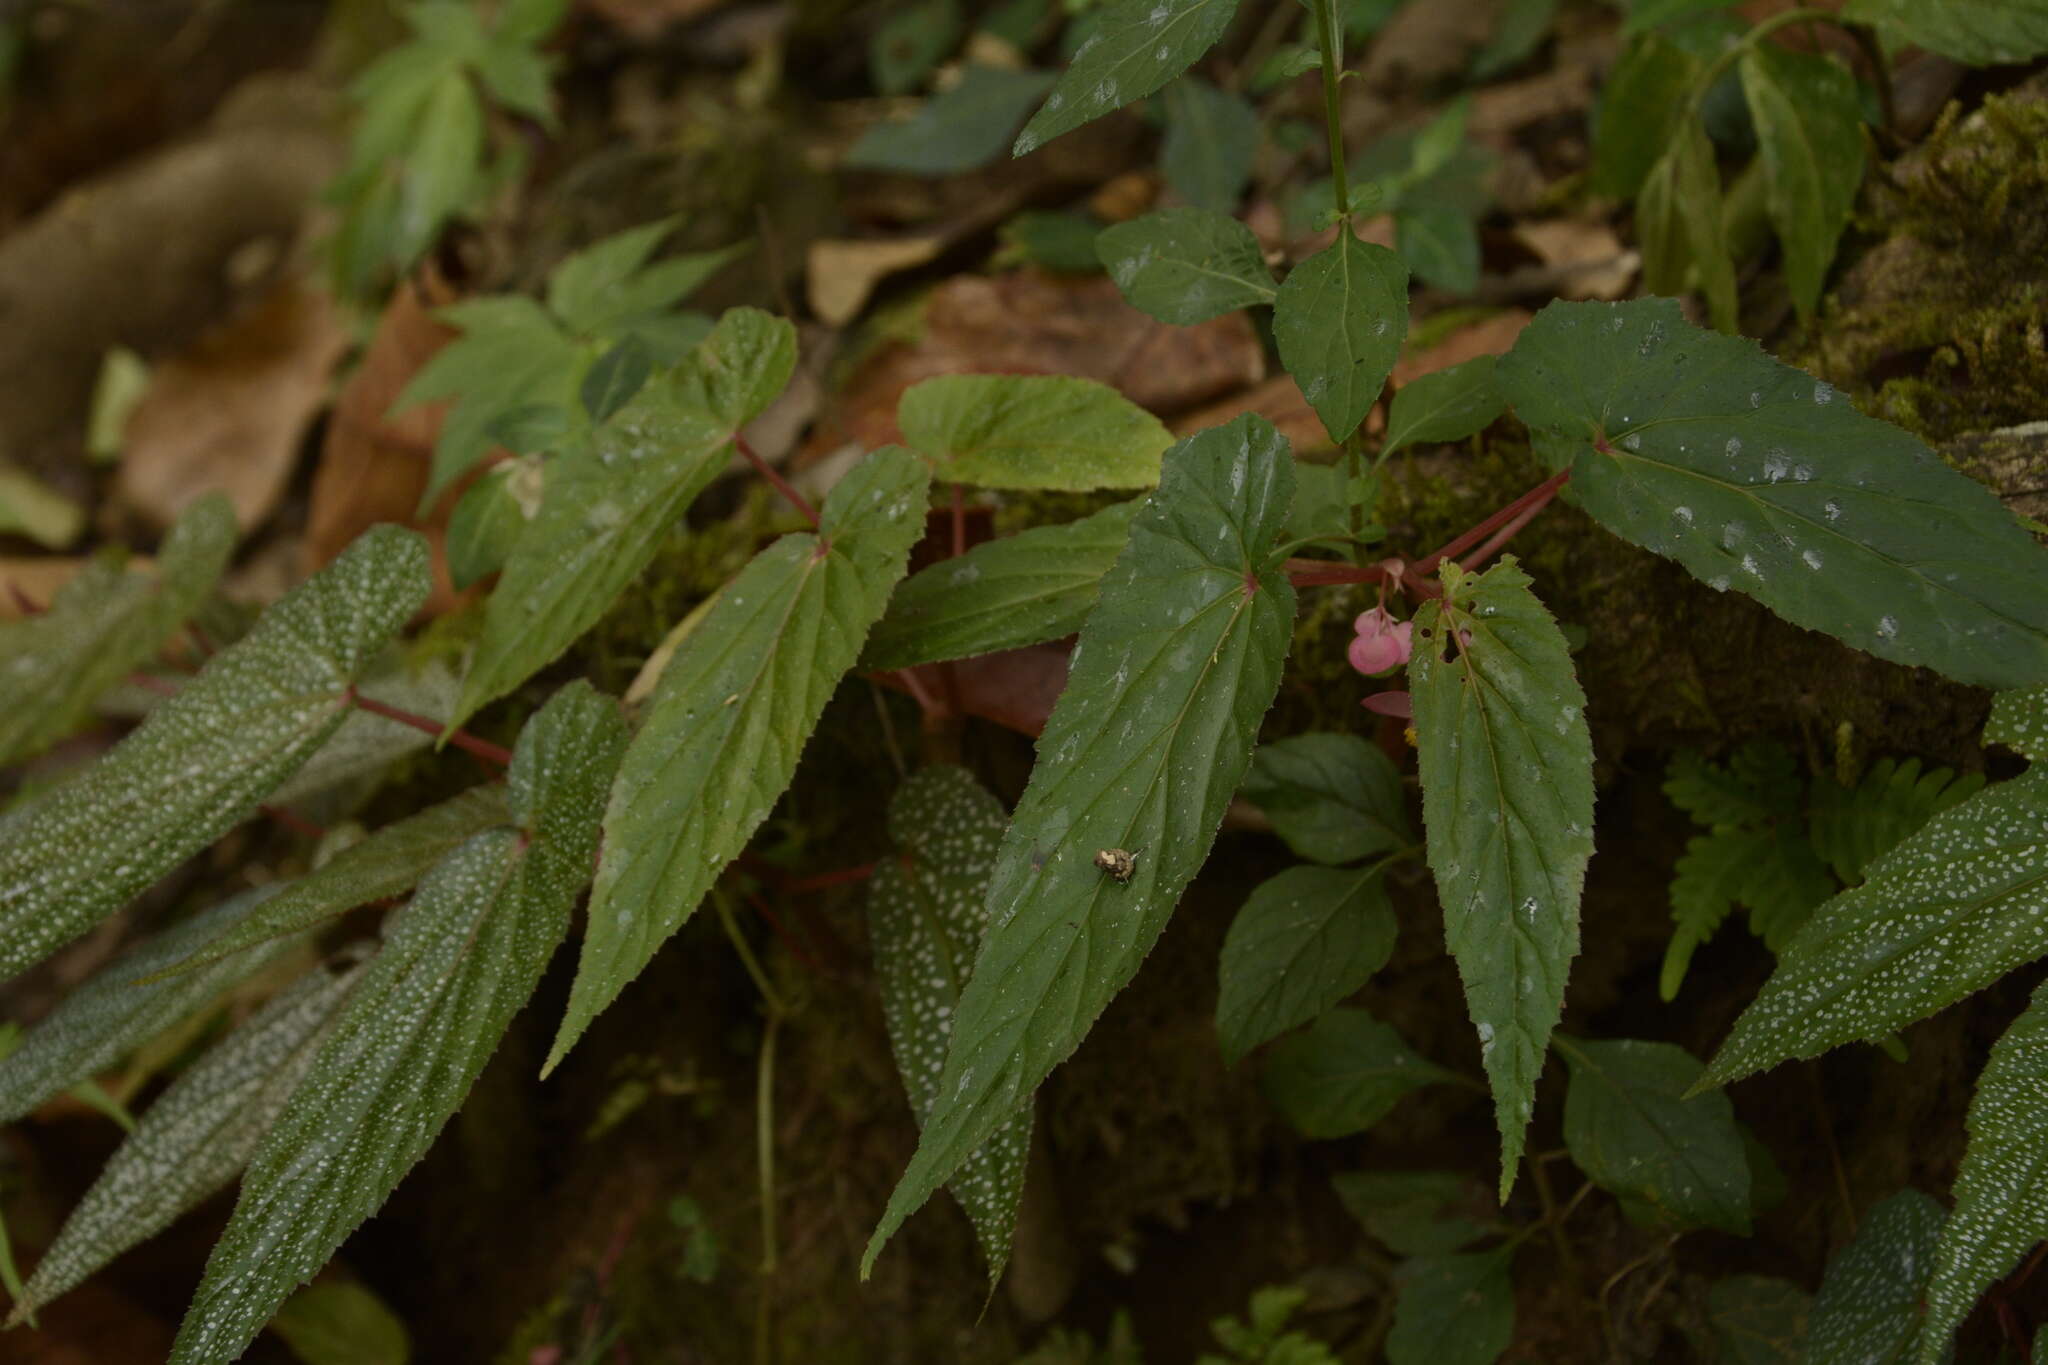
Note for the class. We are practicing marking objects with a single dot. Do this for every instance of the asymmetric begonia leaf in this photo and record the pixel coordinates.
(458, 961)
(1507, 803)
(1632, 1129)
(1872, 1302)
(196, 1137)
(101, 625)
(1137, 47)
(1343, 1074)
(204, 758)
(1031, 431)
(730, 718)
(1024, 589)
(1444, 405)
(367, 745)
(1975, 32)
(1304, 940)
(1809, 130)
(1333, 797)
(926, 915)
(1339, 320)
(1186, 265)
(1176, 667)
(1706, 450)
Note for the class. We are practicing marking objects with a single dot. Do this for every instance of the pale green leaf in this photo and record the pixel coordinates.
(442, 165)
(1445, 405)
(1186, 265)
(1758, 1320)
(606, 288)
(1344, 1073)
(204, 758)
(959, 130)
(1809, 129)
(730, 718)
(489, 518)
(1453, 1310)
(1944, 914)
(1212, 137)
(1137, 46)
(458, 961)
(740, 368)
(913, 41)
(1751, 475)
(1037, 585)
(1640, 112)
(1871, 1303)
(1304, 940)
(1339, 321)
(1031, 431)
(339, 1322)
(1679, 224)
(1630, 1127)
(926, 915)
(1414, 1213)
(1334, 798)
(1176, 666)
(1507, 804)
(101, 626)
(1978, 32)
(32, 508)
(196, 1137)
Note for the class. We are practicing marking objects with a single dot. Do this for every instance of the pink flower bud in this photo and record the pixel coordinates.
(1381, 643)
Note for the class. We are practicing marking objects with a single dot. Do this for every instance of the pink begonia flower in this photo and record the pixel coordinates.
(1381, 643)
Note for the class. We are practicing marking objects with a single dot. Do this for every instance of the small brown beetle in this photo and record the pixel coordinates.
(1117, 863)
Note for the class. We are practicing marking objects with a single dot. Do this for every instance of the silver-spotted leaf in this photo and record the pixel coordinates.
(1507, 806)
(1333, 797)
(2019, 721)
(1304, 940)
(1339, 320)
(366, 745)
(1753, 476)
(1137, 46)
(1871, 1303)
(196, 1137)
(730, 718)
(1631, 1128)
(1031, 431)
(926, 913)
(1342, 1075)
(1024, 589)
(203, 759)
(1186, 265)
(101, 625)
(1175, 669)
(1809, 128)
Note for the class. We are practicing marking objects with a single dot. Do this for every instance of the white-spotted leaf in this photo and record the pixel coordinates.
(1871, 1304)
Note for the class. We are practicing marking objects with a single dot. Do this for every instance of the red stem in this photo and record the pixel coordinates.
(916, 688)
(1535, 497)
(23, 602)
(780, 484)
(296, 823)
(836, 877)
(461, 739)
(149, 682)
(1502, 536)
(796, 949)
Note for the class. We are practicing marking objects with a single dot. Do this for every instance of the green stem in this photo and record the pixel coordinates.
(764, 1121)
(1728, 58)
(1330, 38)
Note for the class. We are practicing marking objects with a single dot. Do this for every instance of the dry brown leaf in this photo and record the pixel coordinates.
(843, 273)
(1015, 688)
(229, 413)
(1489, 336)
(1591, 260)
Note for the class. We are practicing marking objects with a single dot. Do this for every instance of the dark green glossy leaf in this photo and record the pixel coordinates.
(1333, 797)
(1978, 32)
(1136, 47)
(1758, 1320)
(1303, 941)
(1631, 1129)
(1342, 1076)
(1453, 1310)
(1186, 265)
(1031, 431)
(730, 718)
(1507, 806)
(1414, 1213)
(1870, 1306)
(1704, 449)
(965, 127)
(1176, 666)
(1339, 321)
(1445, 405)
(1640, 112)
(926, 916)
(204, 758)
(1212, 137)
(1020, 590)
(1809, 130)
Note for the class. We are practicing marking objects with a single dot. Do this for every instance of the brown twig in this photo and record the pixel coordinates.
(780, 484)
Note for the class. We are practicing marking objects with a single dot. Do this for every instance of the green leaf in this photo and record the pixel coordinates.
(741, 367)
(441, 176)
(1758, 1320)
(120, 1008)
(606, 509)
(511, 355)
(906, 48)
(1439, 241)
(1507, 804)
(1333, 797)
(1640, 112)
(1212, 137)
(366, 746)
(730, 717)
(1869, 1308)
(1176, 665)
(1976, 32)
(1020, 590)
(1186, 265)
(926, 916)
(196, 1137)
(1453, 1310)
(1942, 915)
(101, 626)
(387, 863)
(1649, 14)
(1411, 1212)
(1785, 885)
(959, 130)
(1064, 242)
(1339, 320)
(341, 1323)
(604, 288)
(1137, 46)
(1344, 1073)
(1760, 782)
(614, 377)
(489, 518)
(1445, 405)
(30, 507)
(1705, 450)
(1852, 827)
(1680, 224)
(1705, 885)
(2001, 1192)
(1809, 129)
(203, 759)
(457, 963)
(1031, 431)
(1518, 30)
(1631, 1129)
(1303, 941)
(2019, 721)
